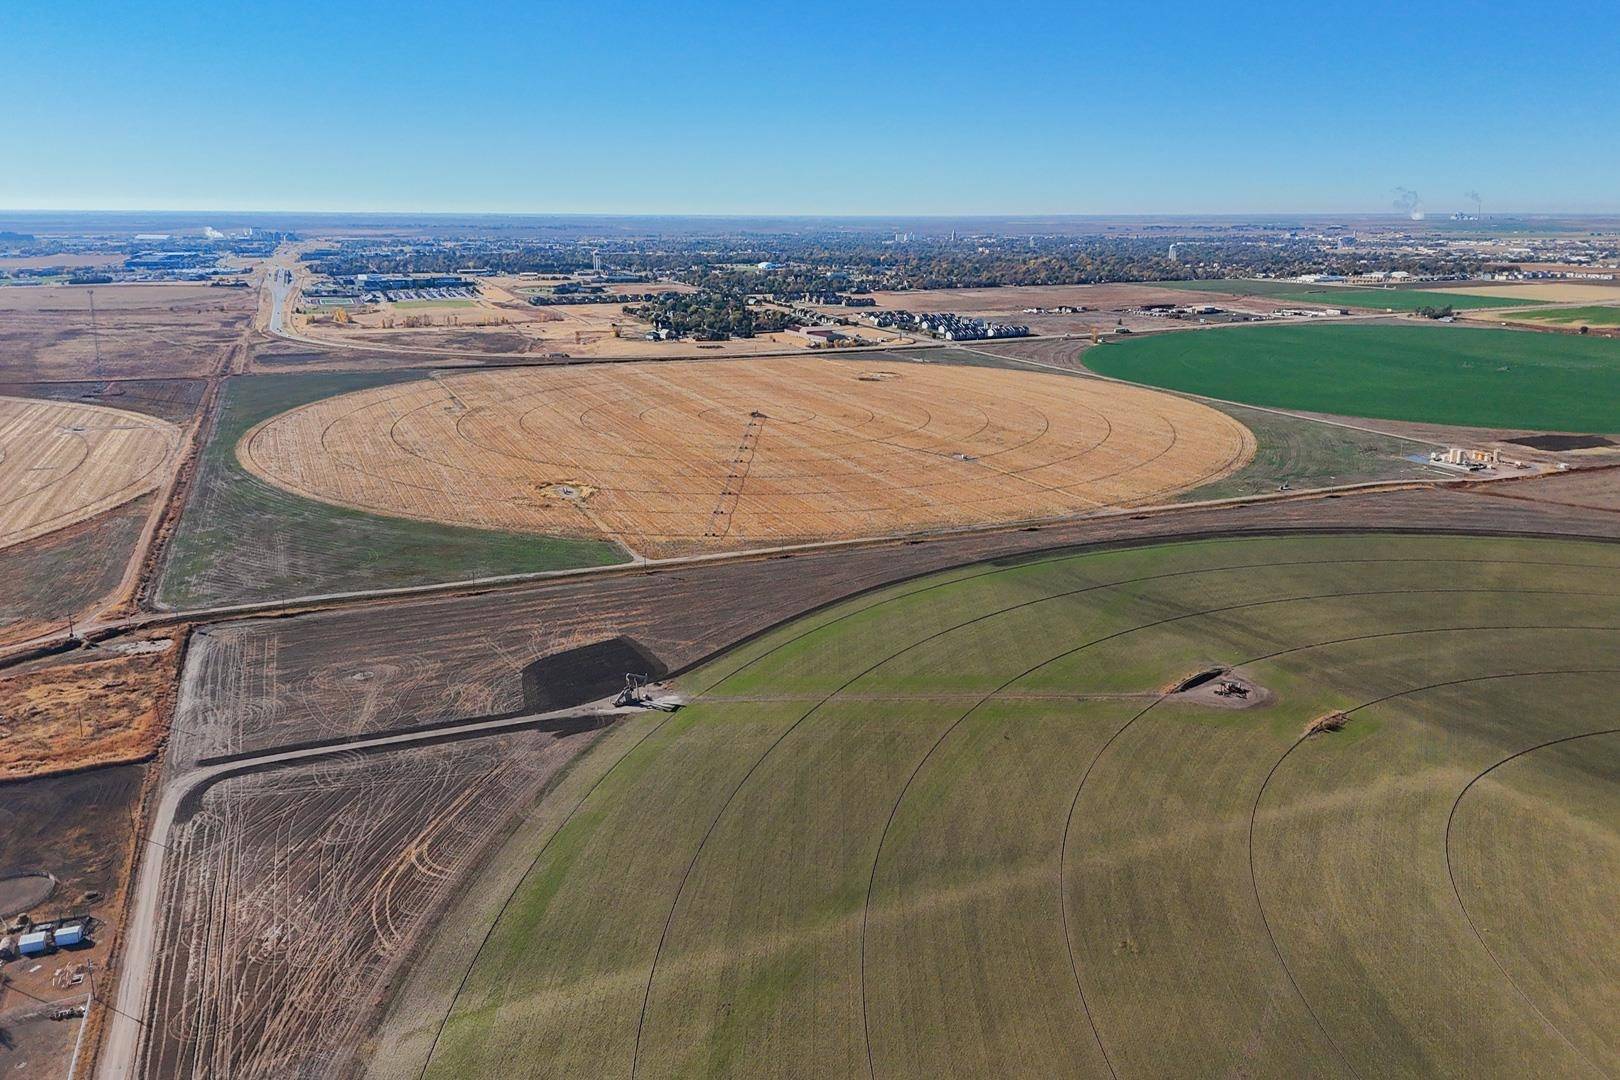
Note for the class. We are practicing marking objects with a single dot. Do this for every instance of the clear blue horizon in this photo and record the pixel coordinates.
(842, 110)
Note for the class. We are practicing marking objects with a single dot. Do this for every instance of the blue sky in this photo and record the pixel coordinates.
(883, 108)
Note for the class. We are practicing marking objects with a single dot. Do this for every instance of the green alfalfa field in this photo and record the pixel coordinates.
(1360, 297)
(1454, 375)
(962, 827)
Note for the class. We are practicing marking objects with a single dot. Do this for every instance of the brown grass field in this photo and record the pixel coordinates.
(41, 262)
(676, 458)
(1560, 292)
(140, 331)
(575, 330)
(62, 463)
(109, 711)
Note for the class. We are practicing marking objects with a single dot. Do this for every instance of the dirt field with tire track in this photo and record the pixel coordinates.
(62, 463)
(300, 890)
(677, 458)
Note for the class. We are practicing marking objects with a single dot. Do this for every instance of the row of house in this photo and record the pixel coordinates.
(947, 325)
(824, 298)
(550, 300)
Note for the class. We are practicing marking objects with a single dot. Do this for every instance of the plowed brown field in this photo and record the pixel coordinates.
(62, 462)
(682, 457)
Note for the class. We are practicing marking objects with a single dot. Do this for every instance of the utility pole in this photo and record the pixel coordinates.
(95, 332)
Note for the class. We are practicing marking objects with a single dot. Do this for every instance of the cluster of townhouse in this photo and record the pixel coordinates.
(945, 324)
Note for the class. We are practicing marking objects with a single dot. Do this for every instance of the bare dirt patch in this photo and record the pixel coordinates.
(24, 891)
(1220, 688)
(1585, 489)
(76, 827)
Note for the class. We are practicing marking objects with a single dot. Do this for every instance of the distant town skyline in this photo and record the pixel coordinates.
(888, 110)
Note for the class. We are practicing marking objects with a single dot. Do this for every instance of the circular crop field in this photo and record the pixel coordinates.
(1434, 374)
(63, 462)
(1327, 806)
(677, 457)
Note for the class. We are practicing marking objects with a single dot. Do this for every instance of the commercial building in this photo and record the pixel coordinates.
(390, 282)
(819, 335)
(170, 260)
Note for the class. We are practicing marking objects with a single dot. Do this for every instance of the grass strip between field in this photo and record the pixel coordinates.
(241, 540)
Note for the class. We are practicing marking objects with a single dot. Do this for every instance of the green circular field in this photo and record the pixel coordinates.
(1435, 374)
(962, 827)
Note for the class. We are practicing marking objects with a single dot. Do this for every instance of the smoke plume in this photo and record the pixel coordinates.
(1408, 203)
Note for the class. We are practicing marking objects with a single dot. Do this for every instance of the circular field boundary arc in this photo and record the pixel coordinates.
(87, 419)
(1063, 850)
(731, 796)
(489, 932)
(1468, 916)
(346, 460)
(426, 475)
(1063, 552)
(1050, 555)
(1303, 739)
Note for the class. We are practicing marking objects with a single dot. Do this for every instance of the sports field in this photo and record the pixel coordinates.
(64, 462)
(1437, 374)
(1354, 296)
(409, 305)
(680, 457)
(965, 826)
